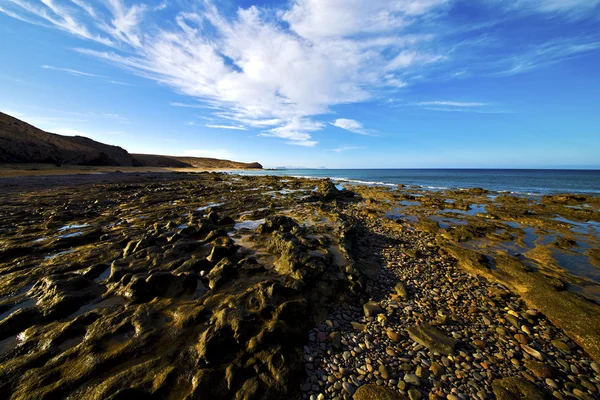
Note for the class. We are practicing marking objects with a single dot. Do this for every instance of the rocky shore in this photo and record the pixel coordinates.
(209, 285)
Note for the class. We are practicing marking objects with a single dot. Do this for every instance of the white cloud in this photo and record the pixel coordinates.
(317, 19)
(216, 153)
(450, 103)
(231, 127)
(345, 148)
(256, 73)
(350, 125)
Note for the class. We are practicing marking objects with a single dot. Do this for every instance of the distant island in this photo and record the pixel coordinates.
(21, 142)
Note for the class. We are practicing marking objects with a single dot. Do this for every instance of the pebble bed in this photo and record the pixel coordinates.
(498, 336)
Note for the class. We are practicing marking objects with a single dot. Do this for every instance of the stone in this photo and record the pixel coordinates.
(516, 389)
(357, 326)
(401, 291)
(422, 372)
(437, 370)
(336, 339)
(376, 392)
(412, 379)
(533, 352)
(394, 336)
(580, 394)
(432, 338)
(539, 369)
(480, 344)
(348, 388)
(521, 338)
(372, 308)
(561, 345)
(414, 394)
(384, 372)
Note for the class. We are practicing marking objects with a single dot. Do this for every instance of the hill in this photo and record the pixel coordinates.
(21, 142)
(24, 143)
(151, 160)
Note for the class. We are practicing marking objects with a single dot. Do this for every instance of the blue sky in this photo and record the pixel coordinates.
(333, 83)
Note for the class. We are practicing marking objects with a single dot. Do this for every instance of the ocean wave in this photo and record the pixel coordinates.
(361, 182)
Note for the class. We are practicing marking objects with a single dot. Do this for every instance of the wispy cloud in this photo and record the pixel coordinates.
(70, 71)
(186, 105)
(82, 73)
(450, 103)
(350, 125)
(469, 110)
(341, 149)
(230, 127)
(569, 8)
(547, 53)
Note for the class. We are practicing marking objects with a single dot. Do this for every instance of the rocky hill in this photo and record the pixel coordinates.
(21, 142)
(24, 143)
(151, 160)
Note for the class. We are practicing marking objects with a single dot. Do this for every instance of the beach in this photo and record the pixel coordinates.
(221, 285)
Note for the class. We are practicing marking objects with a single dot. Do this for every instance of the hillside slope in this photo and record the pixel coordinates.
(24, 143)
(151, 160)
(21, 142)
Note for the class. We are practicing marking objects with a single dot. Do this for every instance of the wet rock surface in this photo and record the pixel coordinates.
(208, 286)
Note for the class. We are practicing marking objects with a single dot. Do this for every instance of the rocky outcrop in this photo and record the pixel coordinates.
(139, 295)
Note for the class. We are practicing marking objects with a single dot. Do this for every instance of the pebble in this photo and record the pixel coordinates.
(367, 345)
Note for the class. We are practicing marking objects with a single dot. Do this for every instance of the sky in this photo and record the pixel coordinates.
(314, 83)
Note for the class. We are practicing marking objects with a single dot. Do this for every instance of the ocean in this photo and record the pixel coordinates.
(517, 181)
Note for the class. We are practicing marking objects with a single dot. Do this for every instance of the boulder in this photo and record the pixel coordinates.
(432, 338)
(377, 392)
(516, 389)
(372, 308)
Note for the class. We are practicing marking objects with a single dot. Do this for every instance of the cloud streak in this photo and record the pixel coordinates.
(82, 73)
(350, 125)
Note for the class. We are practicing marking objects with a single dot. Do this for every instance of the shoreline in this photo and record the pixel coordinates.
(309, 283)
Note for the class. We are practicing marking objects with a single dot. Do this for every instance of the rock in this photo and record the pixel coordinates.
(521, 338)
(561, 345)
(357, 326)
(376, 392)
(580, 394)
(412, 379)
(394, 336)
(480, 344)
(533, 352)
(349, 388)
(422, 372)
(401, 291)
(516, 389)
(433, 338)
(336, 339)
(437, 370)
(539, 369)
(414, 394)
(222, 272)
(372, 308)
(384, 372)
